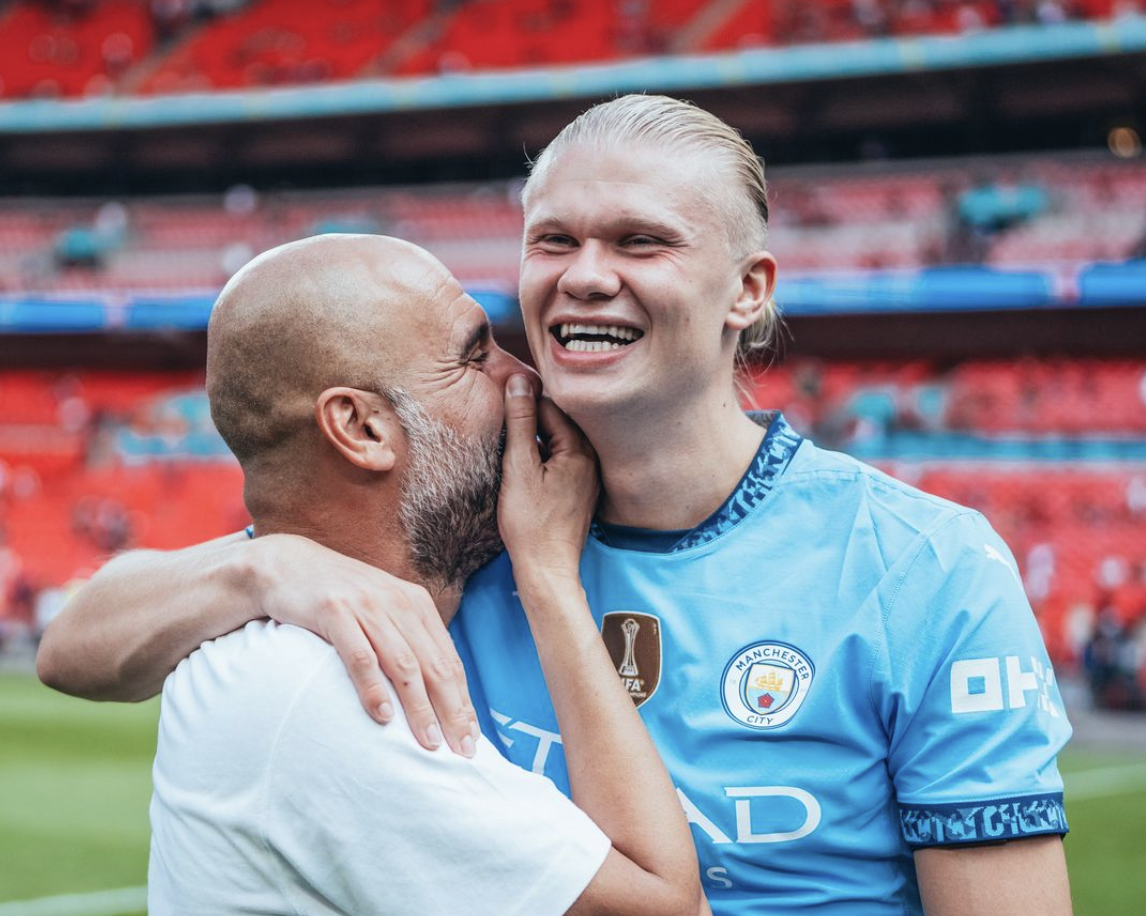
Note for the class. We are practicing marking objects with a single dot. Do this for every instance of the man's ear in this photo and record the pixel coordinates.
(757, 283)
(360, 426)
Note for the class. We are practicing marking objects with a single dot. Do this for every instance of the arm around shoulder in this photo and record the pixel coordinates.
(146, 611)
(127, 629)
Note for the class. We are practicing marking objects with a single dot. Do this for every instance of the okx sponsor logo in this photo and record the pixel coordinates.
(996, 684)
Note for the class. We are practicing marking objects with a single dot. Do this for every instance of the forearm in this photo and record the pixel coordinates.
(144, 612)
(615, 772)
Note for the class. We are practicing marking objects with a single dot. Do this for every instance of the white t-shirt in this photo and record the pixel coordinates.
(276, 793)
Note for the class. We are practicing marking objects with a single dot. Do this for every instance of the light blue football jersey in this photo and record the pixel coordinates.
(837, 669)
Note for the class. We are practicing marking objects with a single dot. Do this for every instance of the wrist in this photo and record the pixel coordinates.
(545, 558)
(246, 567)
(547, 581)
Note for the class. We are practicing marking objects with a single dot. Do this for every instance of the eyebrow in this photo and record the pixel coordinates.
(630, 225)
(479, 334)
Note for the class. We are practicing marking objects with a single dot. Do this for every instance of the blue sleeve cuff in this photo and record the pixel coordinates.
(983, 821)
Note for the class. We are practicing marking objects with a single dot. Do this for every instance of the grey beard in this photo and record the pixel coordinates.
(448, 505)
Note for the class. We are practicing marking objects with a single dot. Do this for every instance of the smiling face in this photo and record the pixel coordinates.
(629, 284)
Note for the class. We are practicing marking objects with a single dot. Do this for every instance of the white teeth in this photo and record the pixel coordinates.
(610, 330)
(591, 346)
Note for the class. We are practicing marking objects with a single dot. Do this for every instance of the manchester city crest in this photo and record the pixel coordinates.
(765, 684)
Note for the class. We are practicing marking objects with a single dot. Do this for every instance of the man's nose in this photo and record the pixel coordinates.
(590, 274)
(505, 364)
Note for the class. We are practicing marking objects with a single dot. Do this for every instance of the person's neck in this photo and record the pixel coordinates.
(671, 472)
(386, 550)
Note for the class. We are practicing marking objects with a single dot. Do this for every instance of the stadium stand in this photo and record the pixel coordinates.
(528, 33)
(72, 47)
(896, 216)
(92, 462)
(785, 22)
(1074, 525)
(957, 321)
(94, 47)
(282, 42)
(846, 402)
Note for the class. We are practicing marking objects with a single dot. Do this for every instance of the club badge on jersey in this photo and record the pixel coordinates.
(765, 684)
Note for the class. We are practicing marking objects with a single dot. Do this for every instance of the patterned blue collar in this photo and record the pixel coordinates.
(775, 452)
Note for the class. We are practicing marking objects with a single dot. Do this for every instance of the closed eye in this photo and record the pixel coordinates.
(478, 343)
(554, 240)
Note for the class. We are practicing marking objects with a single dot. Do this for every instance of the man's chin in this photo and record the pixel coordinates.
(449, 551)
(587, 400)
(484, 555)
(483, 543)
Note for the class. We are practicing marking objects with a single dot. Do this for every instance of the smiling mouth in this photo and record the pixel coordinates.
(593, 338)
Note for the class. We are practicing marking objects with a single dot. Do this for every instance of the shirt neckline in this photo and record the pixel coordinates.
(772, 458)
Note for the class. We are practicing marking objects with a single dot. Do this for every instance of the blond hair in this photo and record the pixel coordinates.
(668, 123)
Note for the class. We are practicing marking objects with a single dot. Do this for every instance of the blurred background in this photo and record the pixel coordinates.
(959, 211)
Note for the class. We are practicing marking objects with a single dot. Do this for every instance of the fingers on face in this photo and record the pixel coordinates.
(520, 422)
(561, 433)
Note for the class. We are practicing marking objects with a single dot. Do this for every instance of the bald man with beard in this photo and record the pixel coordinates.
(361, 391)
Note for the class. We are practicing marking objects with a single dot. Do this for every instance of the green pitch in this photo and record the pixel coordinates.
(75, 779)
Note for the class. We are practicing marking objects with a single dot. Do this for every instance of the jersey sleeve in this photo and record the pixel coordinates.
(365, 821)
(968, 696)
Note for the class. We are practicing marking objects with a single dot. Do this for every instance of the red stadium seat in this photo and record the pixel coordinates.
(1072, 526)
(70, 50)
(79, 48)
(282, 42)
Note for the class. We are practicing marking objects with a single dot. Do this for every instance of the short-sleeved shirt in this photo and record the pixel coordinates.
(836, 668)
(276, 793)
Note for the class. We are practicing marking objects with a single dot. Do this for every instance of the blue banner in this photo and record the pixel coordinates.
(933, 290)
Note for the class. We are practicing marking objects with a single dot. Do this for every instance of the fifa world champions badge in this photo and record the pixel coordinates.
(634, 643)
(764, 684)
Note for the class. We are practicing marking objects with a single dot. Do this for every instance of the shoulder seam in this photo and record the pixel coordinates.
(924, 538)
(877, 479)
